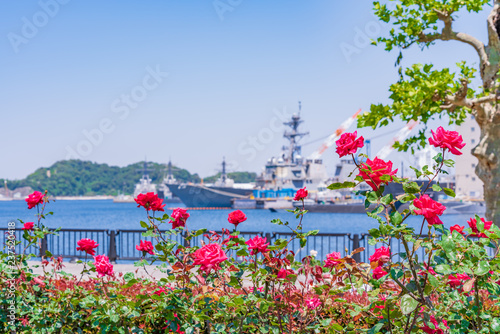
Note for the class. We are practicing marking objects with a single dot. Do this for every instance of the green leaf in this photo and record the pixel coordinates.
(343, 185)
(443, 269)
(372, 197)
(374, 232)
(449, 163)
(408, 304)
(375, 329)
(144, 224)
(303, 242)
(449, 192)
(396, 218)
(495, 325)
(436, 187)
(433, 280)
(411, 188)
(242, 252)
(482, 269)
(387, 199)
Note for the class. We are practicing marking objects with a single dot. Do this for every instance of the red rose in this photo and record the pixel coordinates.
(34, 199)
(313, 303)
(209, 257)
(473, 225)
(160, 291)
(236, 217)
(87, 246)
(145, 246)
(430, 209)
(301, 194)
(332, 259)
(379, 273)
(450, 140)
(180, 216)
(284, 273)
(150, 201)
(348, 144)
(374, 169)
(436, 329)
(455, 281)
(458, 228)
(28, 226)
(381, 255)
(102, 265)
(257, 245)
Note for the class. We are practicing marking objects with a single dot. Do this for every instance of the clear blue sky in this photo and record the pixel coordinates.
(230, 70)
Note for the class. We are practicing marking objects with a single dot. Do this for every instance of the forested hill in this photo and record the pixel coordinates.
(77, 178)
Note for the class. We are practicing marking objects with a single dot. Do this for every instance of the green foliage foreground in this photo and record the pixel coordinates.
(453, 289)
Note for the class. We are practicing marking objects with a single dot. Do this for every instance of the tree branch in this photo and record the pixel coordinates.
(448, 34)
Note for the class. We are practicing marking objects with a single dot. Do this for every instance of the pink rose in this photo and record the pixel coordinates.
(257, 245)
(348, 144)
(313, 303)
(103, 266)
(28, 226)
(236, 217)
(450, 140)
(372, 170)
(332, 259)
(379, 273)
(180, 216)
(458, 228)
(381, 255)
(301, 194)
(150, 201)
(209, 257)
(87, 246)
(430, 209)
(145, 246)
(34, 199)
(473, 225)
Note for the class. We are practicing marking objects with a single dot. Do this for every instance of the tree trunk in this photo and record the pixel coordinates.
(488, 154)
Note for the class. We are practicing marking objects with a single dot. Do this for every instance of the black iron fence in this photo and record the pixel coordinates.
(120, 244)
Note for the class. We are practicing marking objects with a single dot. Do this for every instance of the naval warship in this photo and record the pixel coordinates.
(283, 174)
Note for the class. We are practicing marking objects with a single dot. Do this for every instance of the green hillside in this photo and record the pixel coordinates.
(76, 178)
(85, 178)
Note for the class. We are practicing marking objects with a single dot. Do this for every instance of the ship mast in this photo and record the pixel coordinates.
(294, 135)
(223, 175)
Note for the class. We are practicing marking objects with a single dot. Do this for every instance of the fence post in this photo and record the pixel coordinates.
(355, 245)
(268, 237)
(187, 242)
(43, 246)
(112, 246)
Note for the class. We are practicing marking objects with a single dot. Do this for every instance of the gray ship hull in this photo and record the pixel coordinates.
(199, 196)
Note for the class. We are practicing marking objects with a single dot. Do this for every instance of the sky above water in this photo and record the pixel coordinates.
(191, 81)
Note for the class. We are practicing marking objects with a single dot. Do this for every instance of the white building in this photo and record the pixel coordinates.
(468, 185)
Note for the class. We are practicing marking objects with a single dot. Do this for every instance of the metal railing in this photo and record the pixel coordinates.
(120, 244)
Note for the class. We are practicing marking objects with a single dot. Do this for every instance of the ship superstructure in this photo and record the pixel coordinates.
(145, 184)
(290, 169)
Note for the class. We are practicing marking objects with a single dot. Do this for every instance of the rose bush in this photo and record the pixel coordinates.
(224, 283)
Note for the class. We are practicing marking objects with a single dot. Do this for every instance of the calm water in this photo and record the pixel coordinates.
(104, 214)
